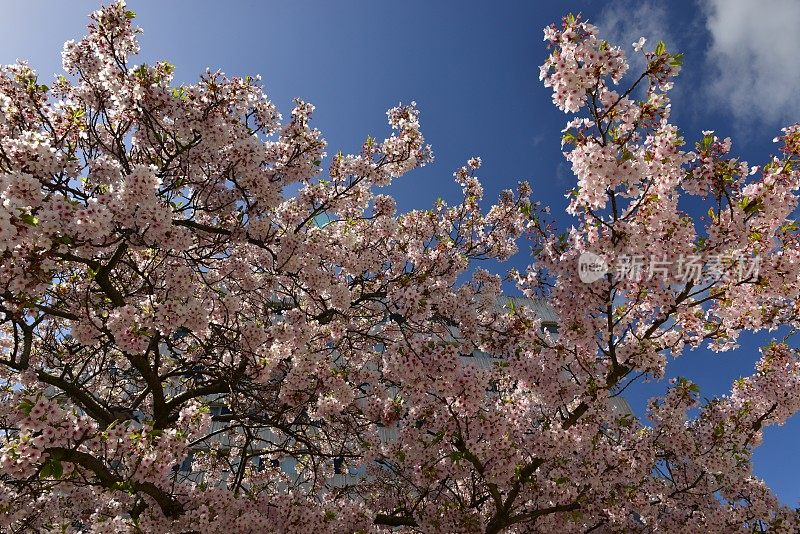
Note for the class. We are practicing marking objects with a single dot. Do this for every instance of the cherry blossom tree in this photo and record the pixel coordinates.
(165, 249)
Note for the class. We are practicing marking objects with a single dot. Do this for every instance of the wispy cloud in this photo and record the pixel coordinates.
(564, 175)
(755, 72)
(623, 23)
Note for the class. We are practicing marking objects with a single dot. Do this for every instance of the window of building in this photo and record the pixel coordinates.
(338, 465)
(186, 465)
(216, 411)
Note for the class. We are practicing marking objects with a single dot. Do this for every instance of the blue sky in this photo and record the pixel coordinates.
(472, 67)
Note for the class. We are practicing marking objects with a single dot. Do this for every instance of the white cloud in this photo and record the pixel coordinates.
(753, 58)
(623, 23)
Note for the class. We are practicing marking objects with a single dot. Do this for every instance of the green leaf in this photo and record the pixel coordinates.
(57, 468)
(51, 469)
(168, 67)
(456, 456)
(45, 471)
(575, 516)
(141, 71)
(753, 206)
(25, 406)
(512, 307)
(130, 15)
(660, 48)
(29, 219)
(625, 420)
